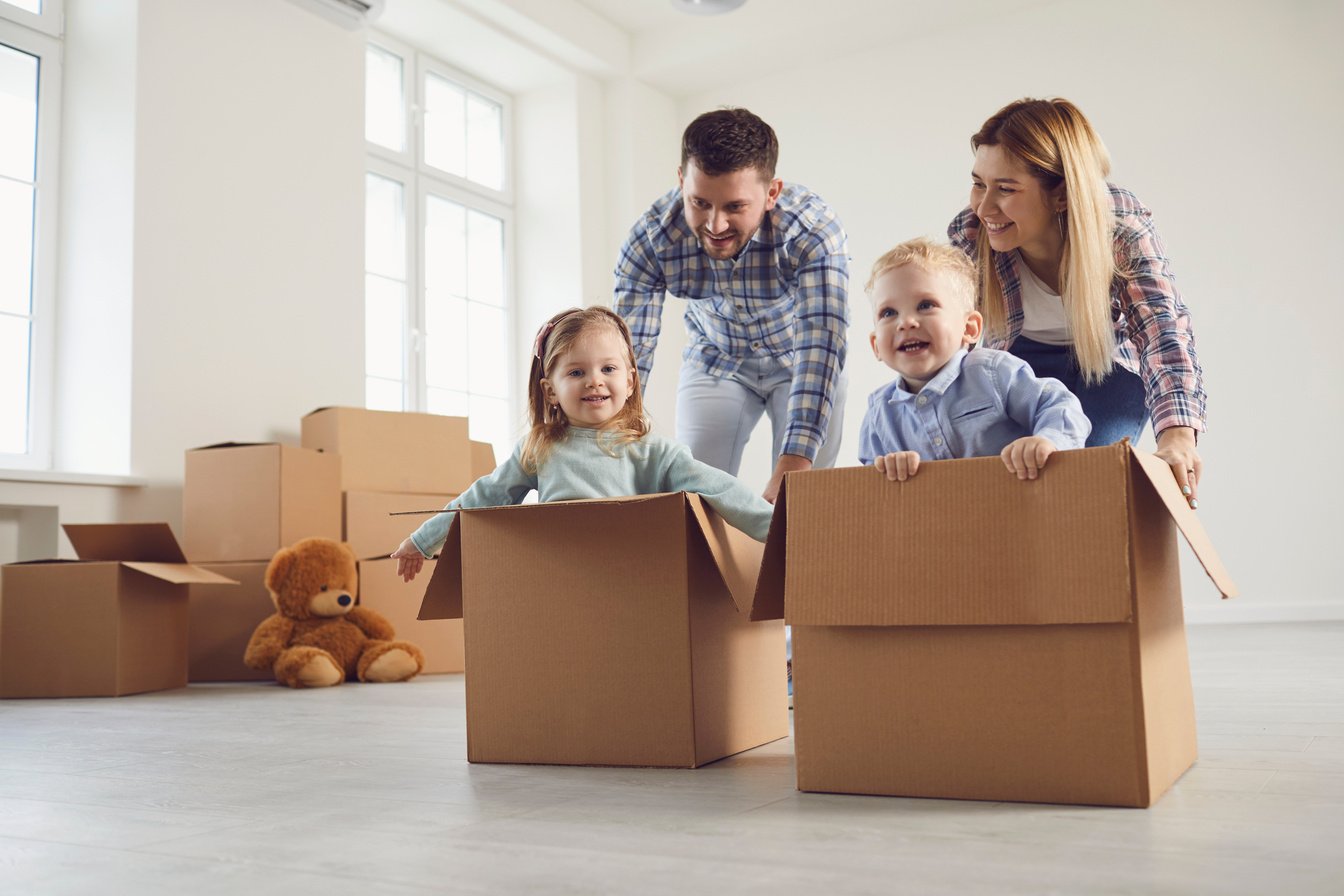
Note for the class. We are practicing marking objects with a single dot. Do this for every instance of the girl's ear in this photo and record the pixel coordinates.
(547, 392)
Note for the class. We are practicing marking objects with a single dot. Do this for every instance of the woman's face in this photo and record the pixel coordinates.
(1016, 211)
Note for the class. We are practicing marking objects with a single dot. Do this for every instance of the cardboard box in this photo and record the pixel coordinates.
(393, 451)
(113, 622)
(610, 632)
(245, 501)
(440, 640)
(965, 634)
(370, 530)
(482, 459)
(222, 620)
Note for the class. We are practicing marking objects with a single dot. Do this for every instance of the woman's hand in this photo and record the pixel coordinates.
(898, 464)
(409, 560)
(1176, 446)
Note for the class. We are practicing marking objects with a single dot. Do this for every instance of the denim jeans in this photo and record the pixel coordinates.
(1116, 406)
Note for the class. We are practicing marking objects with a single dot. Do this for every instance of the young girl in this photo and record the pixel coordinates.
(589, 439)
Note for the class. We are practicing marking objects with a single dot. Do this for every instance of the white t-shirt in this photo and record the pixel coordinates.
(1043, 319)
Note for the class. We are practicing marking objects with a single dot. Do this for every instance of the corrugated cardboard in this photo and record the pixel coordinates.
(393, 451)
(482, 459)
(610, 632)
(370, 530)
(245, 502)
(222, 620)
(440, 640)
(112, 623)
(965, 634)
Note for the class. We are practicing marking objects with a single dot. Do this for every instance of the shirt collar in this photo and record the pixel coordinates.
(940, 382)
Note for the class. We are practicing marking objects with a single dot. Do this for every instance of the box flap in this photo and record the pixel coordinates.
(443, 594)
(1158, 474)
(179, 573)
(142, 542)
(962, 543)
(736, 555)
(768, 599)
(215, 445)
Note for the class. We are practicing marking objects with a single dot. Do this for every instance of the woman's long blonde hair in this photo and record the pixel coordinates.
(1056, 143)
(549, 423)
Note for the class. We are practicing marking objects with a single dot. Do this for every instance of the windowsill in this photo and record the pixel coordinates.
(59, 478)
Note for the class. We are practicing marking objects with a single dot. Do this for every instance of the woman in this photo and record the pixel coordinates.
(1074, 280)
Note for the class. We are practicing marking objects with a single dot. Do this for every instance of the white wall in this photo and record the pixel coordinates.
(1226, 120)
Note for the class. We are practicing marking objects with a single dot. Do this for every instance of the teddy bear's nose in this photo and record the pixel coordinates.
(343, 600)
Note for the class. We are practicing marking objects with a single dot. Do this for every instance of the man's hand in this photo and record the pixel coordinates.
(898, 465)
(788, 463)
(1027, 456)
(409, 560)
(1176, 446)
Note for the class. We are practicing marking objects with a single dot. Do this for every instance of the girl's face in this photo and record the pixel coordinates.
(1016, 211)
(592, 379)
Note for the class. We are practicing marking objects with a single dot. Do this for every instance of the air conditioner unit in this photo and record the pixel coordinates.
(351, 14)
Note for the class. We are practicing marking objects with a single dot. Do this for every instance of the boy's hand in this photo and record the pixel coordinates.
(409, 560)
(1027, 456)
(898, 465)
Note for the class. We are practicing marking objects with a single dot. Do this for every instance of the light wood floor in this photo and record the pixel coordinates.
(254, 789)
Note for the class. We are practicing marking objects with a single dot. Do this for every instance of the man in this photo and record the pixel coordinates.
(764, 266)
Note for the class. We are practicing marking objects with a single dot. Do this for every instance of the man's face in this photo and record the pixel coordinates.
(724, 210)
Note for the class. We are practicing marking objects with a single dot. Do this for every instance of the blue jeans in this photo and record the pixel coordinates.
(1116, 406)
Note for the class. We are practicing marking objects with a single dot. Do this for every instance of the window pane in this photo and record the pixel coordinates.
(446, 332)
(384, 99)
(485, 142)
(446, 401)
(18, 113)
(445, 119)
(384, 327)
(385, 227)
(14, 348)
(445, 246)
(488, 351)
(485, 249)
(16, 247)
(382, 395)
(33, 6)
(489, 422)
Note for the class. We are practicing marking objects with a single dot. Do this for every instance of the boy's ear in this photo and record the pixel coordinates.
(872, 343)
(975, 324)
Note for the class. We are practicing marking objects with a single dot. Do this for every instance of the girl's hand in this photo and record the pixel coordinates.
(898, 465)
(409, 560)
(1176, 446)
(1027, 456)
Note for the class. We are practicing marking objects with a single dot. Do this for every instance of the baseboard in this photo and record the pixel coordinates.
(1219, 612)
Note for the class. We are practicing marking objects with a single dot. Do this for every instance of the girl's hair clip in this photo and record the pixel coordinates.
(539, 345)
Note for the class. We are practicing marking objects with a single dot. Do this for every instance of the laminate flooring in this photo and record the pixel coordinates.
(364, 789)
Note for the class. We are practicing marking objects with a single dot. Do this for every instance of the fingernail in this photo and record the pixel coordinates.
(1185, 490)
(1194, 505)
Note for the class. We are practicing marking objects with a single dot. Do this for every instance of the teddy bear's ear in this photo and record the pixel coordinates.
(277, 571)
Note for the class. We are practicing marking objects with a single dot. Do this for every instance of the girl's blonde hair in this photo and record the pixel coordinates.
(1056, 143)
(549, 423)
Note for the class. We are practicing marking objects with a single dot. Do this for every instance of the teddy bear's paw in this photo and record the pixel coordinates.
(397, 663)
(319, 672)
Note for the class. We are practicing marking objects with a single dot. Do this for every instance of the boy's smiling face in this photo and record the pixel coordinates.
(920, 322)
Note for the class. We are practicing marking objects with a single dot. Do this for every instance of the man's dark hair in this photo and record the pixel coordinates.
(728, 140)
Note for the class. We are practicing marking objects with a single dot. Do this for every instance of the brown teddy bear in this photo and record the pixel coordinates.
(318, 637)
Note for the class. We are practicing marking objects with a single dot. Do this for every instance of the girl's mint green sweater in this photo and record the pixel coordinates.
(579, 467)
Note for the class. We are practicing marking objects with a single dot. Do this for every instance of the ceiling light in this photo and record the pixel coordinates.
(707, 7)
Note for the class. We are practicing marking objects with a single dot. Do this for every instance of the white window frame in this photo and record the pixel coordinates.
(50, 21)
(20, 29)
(420, 180)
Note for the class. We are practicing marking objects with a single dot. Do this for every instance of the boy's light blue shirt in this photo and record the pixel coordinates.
(974, 407)
(578, 467)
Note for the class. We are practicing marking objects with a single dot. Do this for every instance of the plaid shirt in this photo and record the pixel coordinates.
(1153, 337)
(785, 296)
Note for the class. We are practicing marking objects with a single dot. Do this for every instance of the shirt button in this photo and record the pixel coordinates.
(937, 440)
(922, 400)
(755, 345)
(741, 307)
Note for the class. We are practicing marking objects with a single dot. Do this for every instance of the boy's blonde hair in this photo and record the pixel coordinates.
(1056, 143)
(933, 258)
(549, 425)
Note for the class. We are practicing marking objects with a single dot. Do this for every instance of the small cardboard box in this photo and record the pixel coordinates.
(440, 640)
(393, 451)
(482, 459)
(965, 634)
(246, 501)
(610, 632)
(113, 622)
(372, 532)
(222, 620)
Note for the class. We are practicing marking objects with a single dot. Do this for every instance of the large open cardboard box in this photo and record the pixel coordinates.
(113, 622)
(393, 451)
(965, 634)
(440, 640)
(610, 632)
(246, 501)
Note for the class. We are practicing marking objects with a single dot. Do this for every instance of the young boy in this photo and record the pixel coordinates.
(948, 401)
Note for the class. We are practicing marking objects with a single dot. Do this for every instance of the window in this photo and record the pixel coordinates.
(30, 62)
(438, 218)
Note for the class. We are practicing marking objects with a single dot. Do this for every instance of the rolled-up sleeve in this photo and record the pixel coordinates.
(820, 340)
